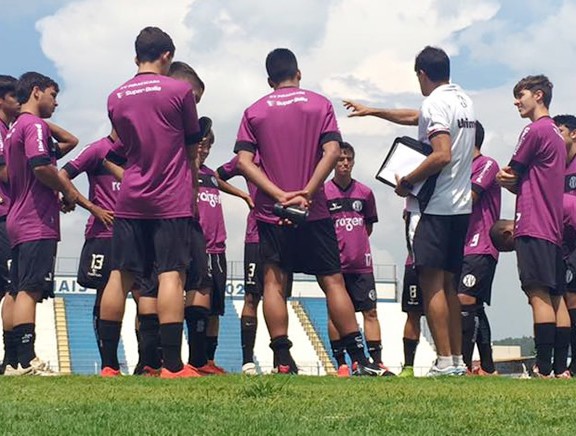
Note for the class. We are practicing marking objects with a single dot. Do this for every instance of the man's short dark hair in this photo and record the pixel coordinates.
(28, 81)
(533, 84)
(281, 65)
(184, 71)
(479, 135)
(346, 146)
(151, 43)
(7, 85)
(566, 120)
(434, 62)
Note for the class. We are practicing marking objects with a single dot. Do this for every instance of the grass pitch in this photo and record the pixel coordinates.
(285, 405)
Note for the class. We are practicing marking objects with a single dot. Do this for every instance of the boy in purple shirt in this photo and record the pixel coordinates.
(567, 126)
(33, 221)
(156, 120)
(294, 131)
(353, 210)
(536, 175)
(480, 258)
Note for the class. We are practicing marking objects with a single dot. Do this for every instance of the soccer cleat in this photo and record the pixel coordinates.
(39, 367)
(565, 374)
(187, 371)
(249, 368)
(477, 370)
(11, 371)
(537, 374)
(110, 372)
(219, 370)
(343, 371)
(460, 370)
(407, 371)
(440, 372)
(211, 369)
(285, 369)
(148, 371)
(370, 370)
(387, 372)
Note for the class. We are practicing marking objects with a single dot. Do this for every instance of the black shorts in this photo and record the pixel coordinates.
(477, 276)
(540, 264)
(310, 248)
(198, 275)
(570, 263)
(218, 270)
(140, 244)
(253, 270)
(94, 267)
(412, 300)
(32, 267)
(5, 259)
(439, 241)
(362, 290)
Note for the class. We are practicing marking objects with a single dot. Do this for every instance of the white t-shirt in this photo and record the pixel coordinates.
(448, 109)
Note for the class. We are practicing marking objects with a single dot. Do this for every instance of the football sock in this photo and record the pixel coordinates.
(10, 349)
(281, 345)
(375, 351)
(561, 346)
(469, 330)
(211, 345)
(484, 342)
(410, 346)
(109, 332)
(95, 326)
(248, 326)
(573, 339)
(338, 351)
(25, 336)
(150, 340)
(171, 341)
(544, 338)
(355, 347)
(196, 321)
(444, 362)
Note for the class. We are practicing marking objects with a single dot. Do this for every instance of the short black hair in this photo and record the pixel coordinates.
(479, 135)
(565, 120)
(346, 146)
(434, 62)
(281, 65)
(28, 81)
(185, 71)
(7, 85)
(151, 43)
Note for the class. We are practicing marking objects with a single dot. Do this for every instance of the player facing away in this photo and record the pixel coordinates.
(33, 221)
(446, 121)
(353, 210)
(9, 108)
(480, 258)
(535, 175)
(294, 131)
(156, 120)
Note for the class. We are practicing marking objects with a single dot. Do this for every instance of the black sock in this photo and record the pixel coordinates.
(572, 313)
(10, 349)
(410, 346)
(544, 337)
(355, 347)
(248, 326)
(375, 351)
(484, 342)
(171, 341)
(150, 341)
(469, 331)
(96, 326)
(281, 347)
(338, 351)
(561, 345)
(196, 322)
(25, 336)
(109, 332)
(211, 345)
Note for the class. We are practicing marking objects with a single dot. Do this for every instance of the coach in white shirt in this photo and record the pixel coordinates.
(438, 223)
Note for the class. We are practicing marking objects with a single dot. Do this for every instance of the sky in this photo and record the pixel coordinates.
(357, 49)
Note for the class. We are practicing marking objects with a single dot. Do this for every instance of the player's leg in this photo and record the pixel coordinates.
(148, 323)
(253, 289)
(217, 309)
(562, 338)
(544, 318)
(413, 306)
(484, 344)
(468, 286)
(570, 298)
(338, 350)
(10, 343)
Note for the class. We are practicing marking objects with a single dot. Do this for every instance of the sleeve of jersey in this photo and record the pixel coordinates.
(330, 130)
(371, 211)
(438, 116)
(246, 140)
(484, 177)
(229, 169)
(190, 117)
(116, 154)
(36, 148)
(85, 161)
(524, 153)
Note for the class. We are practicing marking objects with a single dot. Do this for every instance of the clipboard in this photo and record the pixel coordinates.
(405, 155)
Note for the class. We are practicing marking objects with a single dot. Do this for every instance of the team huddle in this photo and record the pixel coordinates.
(156, 227)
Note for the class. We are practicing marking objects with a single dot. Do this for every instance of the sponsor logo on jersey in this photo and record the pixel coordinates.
(357, 205)
(349, 223)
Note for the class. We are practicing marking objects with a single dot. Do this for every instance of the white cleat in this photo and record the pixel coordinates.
(249, 369)
(37, 367)
(440, 372)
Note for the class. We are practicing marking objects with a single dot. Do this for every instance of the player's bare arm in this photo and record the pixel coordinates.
(405, 117)
(233, 190)
(49, 176)
(508, 179)
(116, 170)
(66, 140)
(324, 167)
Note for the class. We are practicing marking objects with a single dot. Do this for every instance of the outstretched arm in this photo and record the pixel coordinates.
(405, 117)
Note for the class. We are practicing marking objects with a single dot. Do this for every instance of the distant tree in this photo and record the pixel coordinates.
(526, 344)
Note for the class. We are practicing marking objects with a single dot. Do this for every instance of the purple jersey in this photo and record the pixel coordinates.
(352, 209)
(34, 209)
(210, 211)
(103, 186)
(288, 129)
(540, 162)
(486, 210)
(3, 186)
(570, 177)
(569, 240)
(226, 172)
(155, 117)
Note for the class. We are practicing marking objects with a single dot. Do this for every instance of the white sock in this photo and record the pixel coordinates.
(458, 360)
(444, 362)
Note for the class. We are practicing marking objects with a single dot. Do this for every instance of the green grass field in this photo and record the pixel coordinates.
(286, 405)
